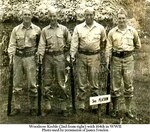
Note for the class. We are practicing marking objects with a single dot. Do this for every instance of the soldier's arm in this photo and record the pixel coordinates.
(12, 43)
(103, 39)
(74, 43)
(67, 36)
(108, 52)
(42, 44)
(136, 40)
(38, 36)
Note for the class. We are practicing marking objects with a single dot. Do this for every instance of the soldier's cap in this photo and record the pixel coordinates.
(89, 9)
(122, 11)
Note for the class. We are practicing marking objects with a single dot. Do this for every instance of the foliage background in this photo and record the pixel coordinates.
(70, 14)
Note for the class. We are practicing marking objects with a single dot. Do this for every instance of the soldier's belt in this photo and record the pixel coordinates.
(55, 53)
(122, 54)
(26, 52)
(88, 52)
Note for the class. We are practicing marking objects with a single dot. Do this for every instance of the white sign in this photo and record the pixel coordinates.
(99, 99)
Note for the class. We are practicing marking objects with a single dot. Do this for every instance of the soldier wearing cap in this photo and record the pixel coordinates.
(22, 49)
(123, 40)
(53, 46)
(87, 39)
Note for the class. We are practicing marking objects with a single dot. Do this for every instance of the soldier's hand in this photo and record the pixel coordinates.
(107, 63)
(10, 59)
(73, 59)
(39, 58)
(68, 58)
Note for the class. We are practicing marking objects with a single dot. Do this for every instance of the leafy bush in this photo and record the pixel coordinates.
(68, 10)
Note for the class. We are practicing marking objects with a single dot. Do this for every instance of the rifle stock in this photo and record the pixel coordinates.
(10, 89)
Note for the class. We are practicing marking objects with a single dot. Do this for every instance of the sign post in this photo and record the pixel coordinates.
(97, 100)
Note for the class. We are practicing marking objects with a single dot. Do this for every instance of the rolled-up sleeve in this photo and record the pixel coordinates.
(109, 44)
(74, 43)
(103, 35)
(137, 42)
(67, 39)
(42, 43)
(12, 43)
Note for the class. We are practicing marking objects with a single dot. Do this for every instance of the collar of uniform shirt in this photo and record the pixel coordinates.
(94, 25)
(127, 28)
(31, 26)
(52, 27)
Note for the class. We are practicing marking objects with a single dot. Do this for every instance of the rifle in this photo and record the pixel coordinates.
(10, 89)
(38, 77)
(72, 86)
(108, 89)
(39, 83)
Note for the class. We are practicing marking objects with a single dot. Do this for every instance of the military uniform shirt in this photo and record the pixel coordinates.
(87, 38)
(118, 40)
(22, 37)
(55, 39)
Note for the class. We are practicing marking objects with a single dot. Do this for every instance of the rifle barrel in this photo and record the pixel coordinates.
(108, 89)
(10, 89)
(39, 83)
(72, 87)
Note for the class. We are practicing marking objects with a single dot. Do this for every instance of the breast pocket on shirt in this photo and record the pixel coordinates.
(20, 40)
(60, 39)
(49, 40)
(97, 36)
(82, 37)
(114, 38)
(129, 40)
(32, 38)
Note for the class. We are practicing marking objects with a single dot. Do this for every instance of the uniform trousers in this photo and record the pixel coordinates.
(122, 71)
(88, 68)
(23, 65)
(54, 79)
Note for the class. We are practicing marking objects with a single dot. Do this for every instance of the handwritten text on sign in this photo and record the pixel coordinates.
(99, 99)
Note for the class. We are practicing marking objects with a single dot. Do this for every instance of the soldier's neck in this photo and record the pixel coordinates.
(27, 24)
(54, 25)
(89, 24)
(122, 27)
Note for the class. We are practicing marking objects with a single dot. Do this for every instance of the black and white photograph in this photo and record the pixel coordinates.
(75, 65)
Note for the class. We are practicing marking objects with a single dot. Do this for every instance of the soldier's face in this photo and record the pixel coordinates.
(53, 17)
(89, 17)
(27, 16)
(122, 19)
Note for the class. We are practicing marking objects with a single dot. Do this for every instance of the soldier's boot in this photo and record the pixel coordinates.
(64, 111)
(81, 106)
(33, 106)
(95, 109)
(17, 107)
(128, 113)
(47, 108)
(115, 112)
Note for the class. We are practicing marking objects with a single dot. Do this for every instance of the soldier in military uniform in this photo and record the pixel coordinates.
(53, 46)
(123, 40)
(22, 49)
(87, 39)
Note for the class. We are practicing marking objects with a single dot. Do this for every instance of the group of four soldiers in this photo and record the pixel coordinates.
(55, 46)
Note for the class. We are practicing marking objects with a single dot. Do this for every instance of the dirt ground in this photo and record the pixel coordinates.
(140, 104)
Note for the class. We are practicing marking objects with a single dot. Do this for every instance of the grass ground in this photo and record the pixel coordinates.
(140, 104)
